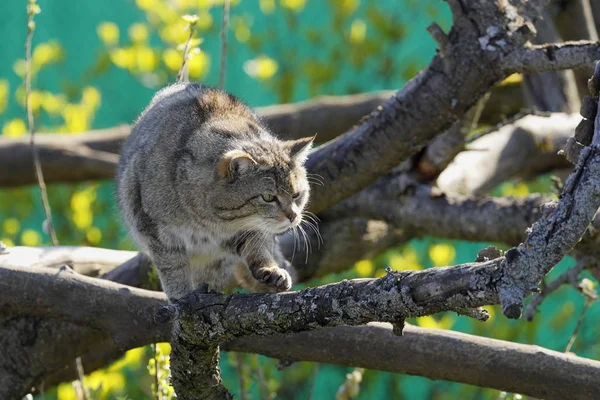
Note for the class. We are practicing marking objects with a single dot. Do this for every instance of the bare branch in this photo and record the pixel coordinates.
(525, 148)
(94, 155)
(550, 57)
(507, 366)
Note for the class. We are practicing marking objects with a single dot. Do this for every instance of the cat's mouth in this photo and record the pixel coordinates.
(286, 226)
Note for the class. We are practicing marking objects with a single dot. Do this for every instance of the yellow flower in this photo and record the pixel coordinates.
(442, 254)
(175, 32)
(108, 32)
(205, 21)
(19, 68)
(4, 91)
(198, 64)
(11, 226)
(358, 31)
(138, 33)
(261, 68)
(76, 118)
(30, 238)
(146, 4)
(7, 242)
(172, 59)
(45, 53)
(53, 104)
(122, 57)
(93, 235)
(66, 391)
(35, 100)
(205, 3)
(132, 358)
(364, 268)
(518, 190)
(91, 97)
(428, 321)
(83, 219)
(241, 30)
(408, 261)
(294, 5)
(267, 6)
(145, 58)
(14, 128)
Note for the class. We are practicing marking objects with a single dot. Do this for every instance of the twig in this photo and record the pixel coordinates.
(239, 365)
(157, 391)
(32, 10)
(85, 393)
(224, 28)
(577, 326)
(569, 276)
(182, 75)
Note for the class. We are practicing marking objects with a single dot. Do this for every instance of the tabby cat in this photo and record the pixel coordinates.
(205, 188)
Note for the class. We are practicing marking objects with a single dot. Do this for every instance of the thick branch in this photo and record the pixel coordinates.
(525, 148)
(507, 366)
(93, 155)
(551, 57)
(419, 208)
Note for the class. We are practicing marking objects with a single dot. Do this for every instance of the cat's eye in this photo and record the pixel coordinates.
(268, 197)
(296, 195)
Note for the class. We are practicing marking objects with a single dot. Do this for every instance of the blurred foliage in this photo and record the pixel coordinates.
(96, 66)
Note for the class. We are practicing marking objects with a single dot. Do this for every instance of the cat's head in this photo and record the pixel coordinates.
(262, 185)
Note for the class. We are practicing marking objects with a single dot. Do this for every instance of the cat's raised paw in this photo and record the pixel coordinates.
(275, 277)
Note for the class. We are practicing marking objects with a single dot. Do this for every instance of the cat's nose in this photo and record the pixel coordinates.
(291, 216)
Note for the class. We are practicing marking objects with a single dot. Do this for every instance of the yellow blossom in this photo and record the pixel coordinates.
(267, 6)
(358, 31)
(172, 59)
(11, 226)
(90, 96)
(7, 242)
(14, 128)
(364, 268)
(108, 32)
(198, 64)
(4, 92)
(442, 254)
(261, 68)
(138, 33)
(93, 235)
(31, 238)
(294, 5)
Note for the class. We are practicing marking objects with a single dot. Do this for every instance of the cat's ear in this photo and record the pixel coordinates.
(233, 163)
(300, 148)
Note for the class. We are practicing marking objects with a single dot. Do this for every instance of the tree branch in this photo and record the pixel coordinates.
(551, 57)
(511, 367)
(94, 155)
(525, 148)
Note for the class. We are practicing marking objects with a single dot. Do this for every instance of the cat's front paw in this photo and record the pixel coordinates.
(275, 277)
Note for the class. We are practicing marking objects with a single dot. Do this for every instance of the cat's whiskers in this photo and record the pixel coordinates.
(306, 242)
(315, 229)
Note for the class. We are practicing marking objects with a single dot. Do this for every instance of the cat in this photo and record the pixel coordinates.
(204, 189)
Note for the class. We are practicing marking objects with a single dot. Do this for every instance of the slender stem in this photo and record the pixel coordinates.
(224, 28)
(157, 393)
(240, 370)
(85, 394)
(32, 10)
(182, 75)
(577, 326)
